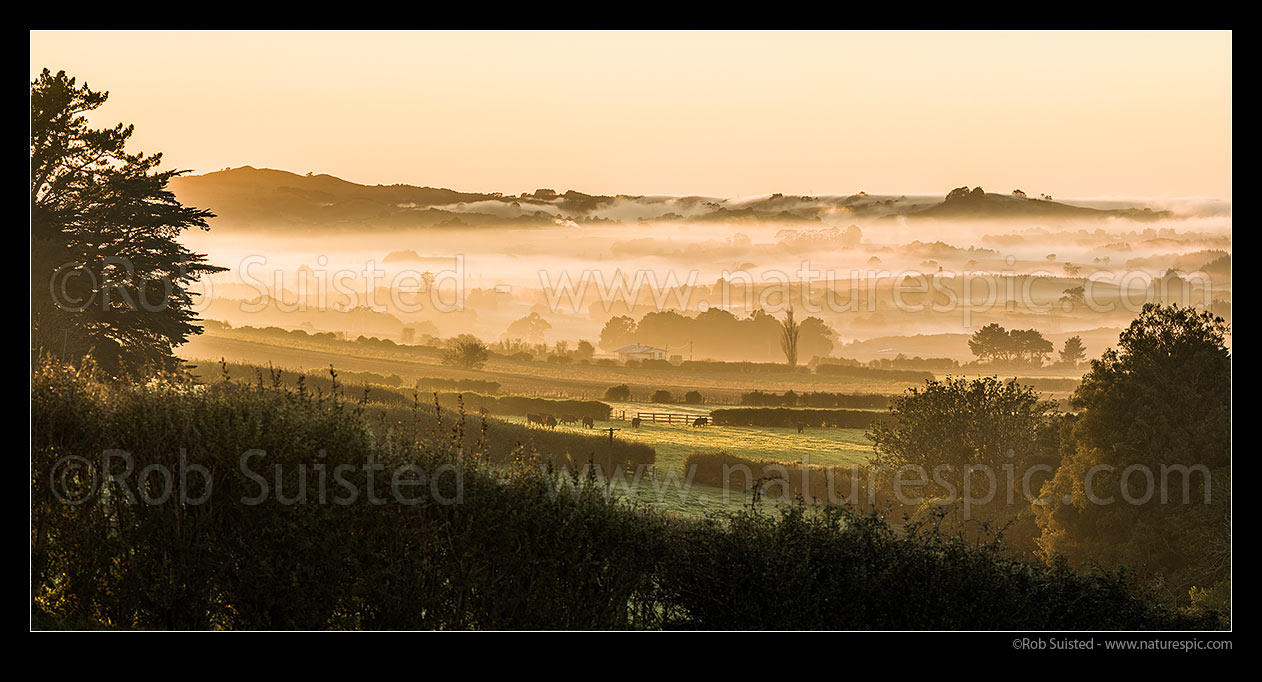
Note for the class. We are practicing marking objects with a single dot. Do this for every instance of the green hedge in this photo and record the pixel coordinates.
(814, 399)
(521, 406)
(482, 386)
(786, 417)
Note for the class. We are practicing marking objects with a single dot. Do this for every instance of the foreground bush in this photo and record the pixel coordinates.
(485, 546)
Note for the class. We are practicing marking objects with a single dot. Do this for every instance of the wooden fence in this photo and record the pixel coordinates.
(667, 417)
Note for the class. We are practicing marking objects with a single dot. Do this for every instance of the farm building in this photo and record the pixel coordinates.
(639, 351)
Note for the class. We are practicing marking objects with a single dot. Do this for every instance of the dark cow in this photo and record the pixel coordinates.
(589, 423)
(800, 427)
(568, 419)
(701, 421)
(532, 419)
(550, 421)
(635, 423)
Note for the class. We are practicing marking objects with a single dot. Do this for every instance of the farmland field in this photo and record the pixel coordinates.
(674, 442)
(516, 377)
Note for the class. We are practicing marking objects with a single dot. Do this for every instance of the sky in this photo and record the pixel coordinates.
(725, 114)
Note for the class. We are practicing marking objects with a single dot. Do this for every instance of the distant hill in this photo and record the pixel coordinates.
(261, 198)
(963, 203)
(254, 197)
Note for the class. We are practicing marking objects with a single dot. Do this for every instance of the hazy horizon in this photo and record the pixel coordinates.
(730, 114)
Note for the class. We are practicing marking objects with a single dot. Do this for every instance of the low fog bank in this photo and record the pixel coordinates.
(860, 278)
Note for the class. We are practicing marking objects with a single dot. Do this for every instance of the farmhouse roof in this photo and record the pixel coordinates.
(638, 348)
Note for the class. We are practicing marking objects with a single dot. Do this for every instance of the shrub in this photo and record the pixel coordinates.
(620, 393)
(662, 395)
(693, 397)
(466, 351)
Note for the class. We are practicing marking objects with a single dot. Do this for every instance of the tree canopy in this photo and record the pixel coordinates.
(995, 344)
(1146, 479)
(1073, 352)
(531, 328)
(108, 278)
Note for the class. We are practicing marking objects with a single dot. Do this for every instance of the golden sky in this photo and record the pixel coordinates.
(1078, 114)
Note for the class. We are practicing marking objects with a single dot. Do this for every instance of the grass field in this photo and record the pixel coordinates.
(667, 489)
(674, 442)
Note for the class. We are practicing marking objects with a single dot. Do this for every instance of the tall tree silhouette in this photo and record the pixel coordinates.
(108, 278)
(789, 339)
(1073, 352)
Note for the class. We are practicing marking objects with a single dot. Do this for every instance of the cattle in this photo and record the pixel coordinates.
(701, 421)
(589, 423)
(532, 419)
(800, 427)
(635, 423)
(550, 421)
(568, 419)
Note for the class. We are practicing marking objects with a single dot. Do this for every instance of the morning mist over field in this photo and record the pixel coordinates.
(586, 330)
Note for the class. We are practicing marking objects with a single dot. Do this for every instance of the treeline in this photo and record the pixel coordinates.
(521, 406)
(814, 399)
(901, 361)
(859, 372)
(483, 386)
(451, 556)
(782, 416)
(716, 333)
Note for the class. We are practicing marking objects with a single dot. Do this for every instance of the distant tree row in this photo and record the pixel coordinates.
(717, 333)
(622, 393)
(997, 345)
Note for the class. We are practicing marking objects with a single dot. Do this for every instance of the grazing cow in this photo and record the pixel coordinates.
(532, 419)
(701, 421)
(589, 423)
(568, 419)
(635, 423)
(800, 427)
(550, 421)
